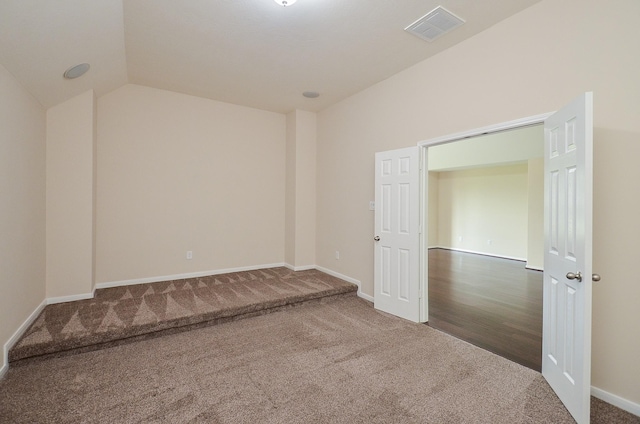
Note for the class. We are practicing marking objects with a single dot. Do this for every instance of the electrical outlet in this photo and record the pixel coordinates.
(372, 205)
(459, 238)
(489, 242)
(337, 254)
(189, 254)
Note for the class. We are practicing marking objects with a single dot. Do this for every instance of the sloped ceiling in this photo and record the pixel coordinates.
(248, 52)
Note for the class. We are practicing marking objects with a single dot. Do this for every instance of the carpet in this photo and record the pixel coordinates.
(336, 362)
(129, 313)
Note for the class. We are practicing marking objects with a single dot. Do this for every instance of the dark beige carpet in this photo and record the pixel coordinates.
(336, 362)
(129, 313)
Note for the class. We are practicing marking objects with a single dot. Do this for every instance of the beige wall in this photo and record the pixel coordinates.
(22, 207)
(178, 173)
(504, 147)
(432, 213)
(535, 236)
(487, 208)
(300, 226)
(70, 196)
(306, 124)
(531, 63)
(290, 191)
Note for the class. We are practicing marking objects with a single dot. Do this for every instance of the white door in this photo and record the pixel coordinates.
(566, 339)
(397, 238)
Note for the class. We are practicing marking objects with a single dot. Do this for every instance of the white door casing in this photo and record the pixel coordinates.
(566, 341)
(397, 252)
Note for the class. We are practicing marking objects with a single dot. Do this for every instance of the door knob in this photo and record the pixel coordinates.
(595, 277)
(377, 238)
(572, 276)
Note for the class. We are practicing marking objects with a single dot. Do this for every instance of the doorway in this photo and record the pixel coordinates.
(486, 242)
(568, 218)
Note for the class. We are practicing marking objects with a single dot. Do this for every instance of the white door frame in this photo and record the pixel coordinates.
(424, 186)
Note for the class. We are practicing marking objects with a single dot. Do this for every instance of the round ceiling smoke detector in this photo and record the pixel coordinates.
(76, 71)
(285, 3)
(311, 94)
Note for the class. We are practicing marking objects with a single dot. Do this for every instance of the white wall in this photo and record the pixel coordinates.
(70, 160)
(481, 205)
(22, 207)
(178, 173)
(531, 63)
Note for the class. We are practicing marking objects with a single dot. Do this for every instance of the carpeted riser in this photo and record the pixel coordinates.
(102, 322)
(157, 332)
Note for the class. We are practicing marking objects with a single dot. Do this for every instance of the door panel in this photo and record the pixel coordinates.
(566, 341)
(396, 285)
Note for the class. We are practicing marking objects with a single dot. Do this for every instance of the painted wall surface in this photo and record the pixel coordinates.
(484, 210)
(535, 237)
(305, 221)
(300, 203)
(515, 69)
(290, 191)
(178, 173)
(500, 148)
(433, 218)
(22, 206)
(70, 196)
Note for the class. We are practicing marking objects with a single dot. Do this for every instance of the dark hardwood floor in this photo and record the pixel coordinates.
(493, 303)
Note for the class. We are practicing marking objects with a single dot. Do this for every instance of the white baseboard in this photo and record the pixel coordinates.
(534, 268)
(622, 403)
(63, 299)
(346, 278)
(476, 252)
(300, 268)
(183, 276)
(17, 334)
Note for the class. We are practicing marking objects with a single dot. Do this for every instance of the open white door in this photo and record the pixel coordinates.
(566, 337)
(397, 238)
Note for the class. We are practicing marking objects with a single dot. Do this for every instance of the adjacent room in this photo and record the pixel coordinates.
(187, 207)
(485, 248)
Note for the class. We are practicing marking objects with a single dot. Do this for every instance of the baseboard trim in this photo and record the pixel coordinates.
(622, 403)
(346, 278)
(63, 299)
(109, 284)
(17, 334)
(534, 268)
(475, 252)
(300, 268)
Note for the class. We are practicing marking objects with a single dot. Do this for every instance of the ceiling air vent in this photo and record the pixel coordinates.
(434, 24)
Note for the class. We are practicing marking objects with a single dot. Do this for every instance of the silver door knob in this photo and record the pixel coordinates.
(595, 277)
(377, 238)
(572, 276)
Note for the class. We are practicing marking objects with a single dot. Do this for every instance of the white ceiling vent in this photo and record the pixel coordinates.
(434, 24)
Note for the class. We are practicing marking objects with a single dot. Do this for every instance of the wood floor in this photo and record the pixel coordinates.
(493, 303)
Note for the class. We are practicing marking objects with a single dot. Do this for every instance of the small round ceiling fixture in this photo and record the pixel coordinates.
(76, 71)
(285, 3)
(311, 94)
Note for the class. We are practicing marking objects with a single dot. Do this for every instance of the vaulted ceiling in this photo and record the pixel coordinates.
(248, 52)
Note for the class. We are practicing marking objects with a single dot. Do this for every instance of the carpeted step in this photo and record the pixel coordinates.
(129, 313)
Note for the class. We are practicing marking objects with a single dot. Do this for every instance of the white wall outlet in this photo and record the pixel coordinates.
(489, 242)
(372, 205)
(459, 238)
(189, 254)
(337, 254)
